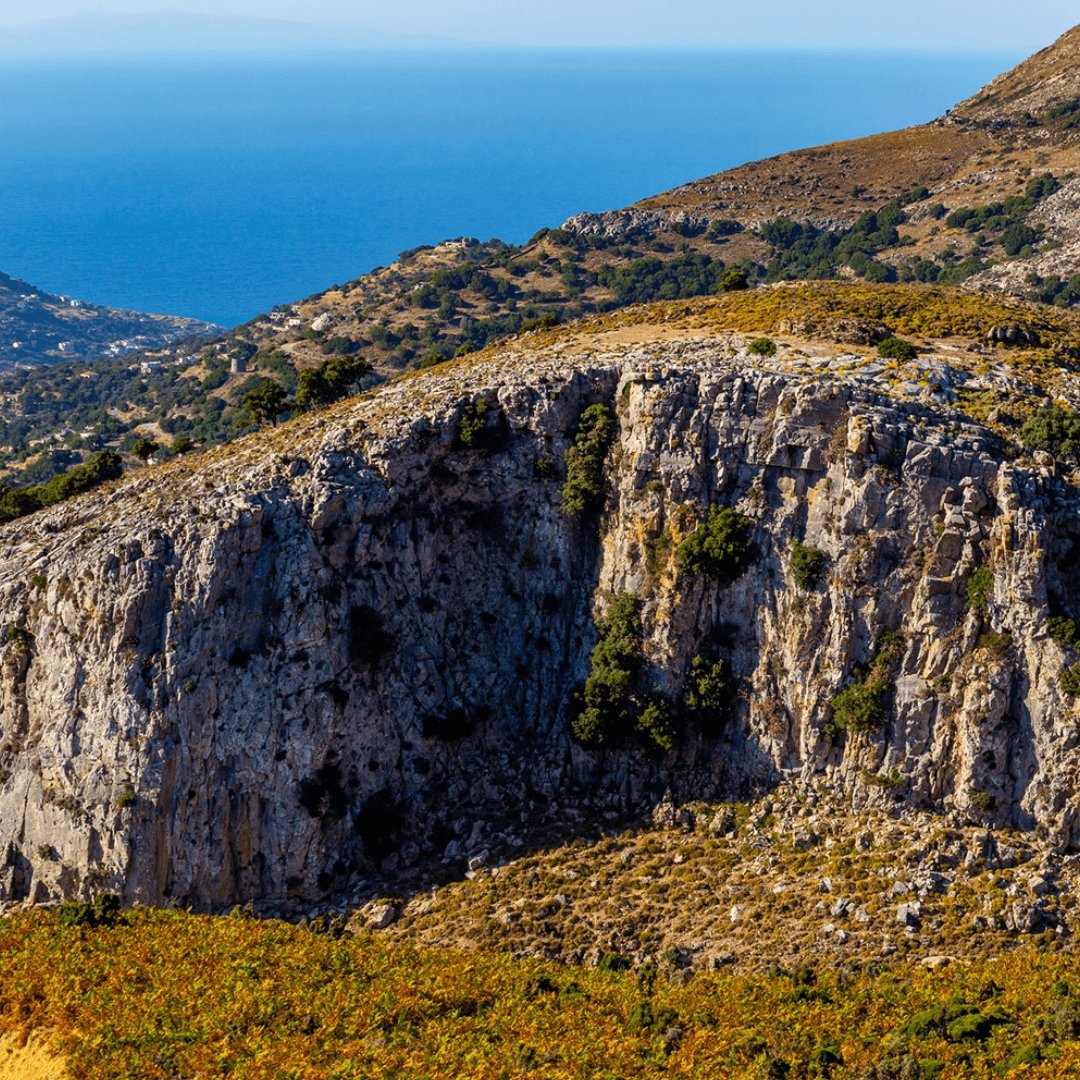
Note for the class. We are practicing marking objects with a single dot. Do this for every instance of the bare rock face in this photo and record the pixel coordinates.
(334, 651)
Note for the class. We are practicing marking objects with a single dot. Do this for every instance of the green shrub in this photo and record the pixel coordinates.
(1023, 1055)
(894, 348)
(807, 565)
(979, 588)
(995, 643)
(104, 912)
(982, 800)
(1063, 630)
(656, 724)
(473, 423)
(762, 346)
(609, 709)
(329, 381)
(734, 280)
(858, 708)
(720, 548)
(545, 468)
(126, 800)
(1017, 237)
(711, 694)
(1070, 680)
(1054, 429)
(861, 706)
(584, 489)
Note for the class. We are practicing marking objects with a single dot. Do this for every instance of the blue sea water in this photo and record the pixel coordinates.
(218, 188)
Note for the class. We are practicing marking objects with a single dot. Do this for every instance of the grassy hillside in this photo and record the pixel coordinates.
(164, 994)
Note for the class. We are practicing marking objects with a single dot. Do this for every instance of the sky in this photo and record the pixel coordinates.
(968, 25)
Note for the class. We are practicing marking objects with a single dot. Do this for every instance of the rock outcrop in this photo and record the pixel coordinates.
(348, 646)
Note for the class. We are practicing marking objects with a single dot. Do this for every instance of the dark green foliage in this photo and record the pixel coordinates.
(340, 346)
(656, 724)
(979, 588)
(807, 565)
(610, 711)
(858, 708)
(762, 347)
(1054, 429)
(1070, 680)
(144, 449)
(1063, 630)
(612, 961)
(721, 547)
(102, 466)
(711, 694)
(182, 444)
(1065, 115)
(265, 402)
(982, 800)
(894, 348)
(481, 427)
(1024, 1055)
(545, 468)
(103, 912)
(804, 251)
(541, 322)
(329, 381)
(734, 280)
(653, 278)
(585, 486)
(958, 1021)
(647, 1017)
(127, 800)
(861, 706)
(1017, 237)
(1042, 186)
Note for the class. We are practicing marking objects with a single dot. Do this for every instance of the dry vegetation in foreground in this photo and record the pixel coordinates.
(165, 994)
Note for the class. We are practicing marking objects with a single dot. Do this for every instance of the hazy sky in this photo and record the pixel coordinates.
(933, 24)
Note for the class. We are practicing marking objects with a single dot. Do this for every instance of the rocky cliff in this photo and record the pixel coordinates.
(347, 647)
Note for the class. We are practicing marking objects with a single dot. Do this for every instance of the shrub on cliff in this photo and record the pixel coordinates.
(711, 694)
(979, 588)
(720, 548)
(807, 565)
(861, 706)
(609, 709)
(584, 489)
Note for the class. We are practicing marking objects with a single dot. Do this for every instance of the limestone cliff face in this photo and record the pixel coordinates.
(347, 646)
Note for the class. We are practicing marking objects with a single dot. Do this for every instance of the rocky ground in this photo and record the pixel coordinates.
(800, 877)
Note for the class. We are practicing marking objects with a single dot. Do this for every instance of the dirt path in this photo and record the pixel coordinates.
(32, 1061)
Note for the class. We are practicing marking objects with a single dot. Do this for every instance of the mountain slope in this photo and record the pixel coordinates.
(37, 327)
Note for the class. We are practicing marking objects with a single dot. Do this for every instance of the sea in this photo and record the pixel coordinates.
(218, 187)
